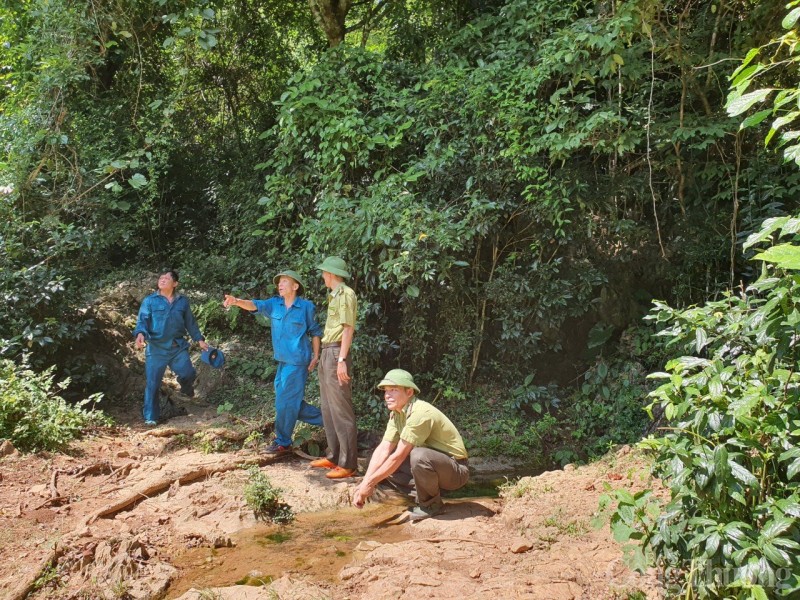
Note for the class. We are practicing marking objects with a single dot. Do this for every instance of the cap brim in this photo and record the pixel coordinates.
(387, 382)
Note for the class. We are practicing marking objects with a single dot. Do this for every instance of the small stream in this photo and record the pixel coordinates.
(319, 544)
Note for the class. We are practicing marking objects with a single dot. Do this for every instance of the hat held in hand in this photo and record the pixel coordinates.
(213, 357)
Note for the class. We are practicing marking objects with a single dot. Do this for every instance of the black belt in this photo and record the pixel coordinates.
(332, 345)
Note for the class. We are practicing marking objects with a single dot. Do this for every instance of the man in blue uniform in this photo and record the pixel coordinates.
(165, 318)
(293, 321)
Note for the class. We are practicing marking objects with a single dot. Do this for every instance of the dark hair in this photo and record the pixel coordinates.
(172, 273)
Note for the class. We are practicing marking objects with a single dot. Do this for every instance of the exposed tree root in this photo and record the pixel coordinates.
(21, 591)
(147, 491)
(217, 432)
(54, 485)
(97, 468)
(452, 539)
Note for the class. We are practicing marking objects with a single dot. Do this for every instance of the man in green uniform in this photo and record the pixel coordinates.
(421, 449)
(335, 371)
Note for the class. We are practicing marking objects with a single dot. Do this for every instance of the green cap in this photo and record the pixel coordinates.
(292, 275)
(400, 378)
(335, 265)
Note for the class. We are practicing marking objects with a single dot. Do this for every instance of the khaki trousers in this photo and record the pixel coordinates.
(425, 472)
(338, 416)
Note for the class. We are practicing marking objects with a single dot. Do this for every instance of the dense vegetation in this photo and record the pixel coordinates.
(512, 183)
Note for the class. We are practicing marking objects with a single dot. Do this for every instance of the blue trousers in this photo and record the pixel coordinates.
(155, 365)
(290, 388)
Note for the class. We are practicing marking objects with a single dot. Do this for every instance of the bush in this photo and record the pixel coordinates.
(34, 417)
(265, 499)
(731, 454)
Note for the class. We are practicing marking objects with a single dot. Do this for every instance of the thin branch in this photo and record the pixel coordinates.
(647, 129)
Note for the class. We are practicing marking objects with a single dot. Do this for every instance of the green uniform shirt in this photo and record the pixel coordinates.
(422, 424)
(341, 311)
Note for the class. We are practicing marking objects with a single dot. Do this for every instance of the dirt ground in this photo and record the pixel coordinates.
(136, 513)
(114, 517)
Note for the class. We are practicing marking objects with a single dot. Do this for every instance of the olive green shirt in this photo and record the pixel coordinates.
(422, 424)
(342, 307)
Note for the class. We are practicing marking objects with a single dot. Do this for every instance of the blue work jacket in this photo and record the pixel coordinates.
(164, 324)
(291, 328)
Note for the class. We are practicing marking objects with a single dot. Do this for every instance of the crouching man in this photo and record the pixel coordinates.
(421, 450)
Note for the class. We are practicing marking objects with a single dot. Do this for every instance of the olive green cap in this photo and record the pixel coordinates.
(335, 265)
(400, 378)
(292, 275)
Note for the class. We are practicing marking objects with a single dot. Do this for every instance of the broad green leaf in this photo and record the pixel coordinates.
(757, 593)
(776, 556)
(790, 19)
(793, 469)
(792, 154)
(742, 474)
(786, 256)
(712, 543)
(412, 291)
(745, 101)
(137, 181)
(768, 227)
(622, 532)
(744, 74)
(751, 54)
(688, 363)
(755, 119)
(701, 339)
(776, 527)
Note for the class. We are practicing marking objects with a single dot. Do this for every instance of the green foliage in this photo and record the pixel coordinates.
(265, 499)
(608, 406)
(773, 64)
(256, 366)
(730, 455)
(32, 414)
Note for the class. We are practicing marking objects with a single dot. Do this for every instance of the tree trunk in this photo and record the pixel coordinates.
(330, 16)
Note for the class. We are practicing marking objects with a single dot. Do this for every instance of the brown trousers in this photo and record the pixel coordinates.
(338, 416)
(425, 472)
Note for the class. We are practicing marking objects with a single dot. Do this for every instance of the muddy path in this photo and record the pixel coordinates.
(131, 513)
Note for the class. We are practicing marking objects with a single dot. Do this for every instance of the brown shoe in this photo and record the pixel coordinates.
(340, 473)
(323, 463)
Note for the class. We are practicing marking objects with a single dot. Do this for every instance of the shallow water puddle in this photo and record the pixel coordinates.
(318, 544)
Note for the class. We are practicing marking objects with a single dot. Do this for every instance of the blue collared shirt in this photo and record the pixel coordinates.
(291, 328)
(162, 322)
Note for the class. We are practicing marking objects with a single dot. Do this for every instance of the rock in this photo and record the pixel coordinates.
(123, 454)
(423, 581)
(40, 490)
(367, 546)
(349, 573)
(569, 467)
(626, 449)
(475, 574)
(7, 449)
(520, 546)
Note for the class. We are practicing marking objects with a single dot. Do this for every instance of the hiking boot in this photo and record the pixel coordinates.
(418, 513)
(187, 389)
(340, 473)
(276, 450)
(323, 463)
(150, 423)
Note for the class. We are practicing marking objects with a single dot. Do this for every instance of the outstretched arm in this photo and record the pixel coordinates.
(234, 301)
(386, 459)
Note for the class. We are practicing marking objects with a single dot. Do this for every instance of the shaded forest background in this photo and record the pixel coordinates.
(513, 183)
